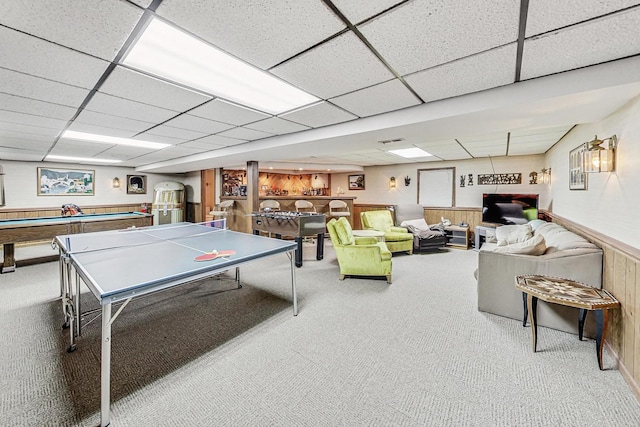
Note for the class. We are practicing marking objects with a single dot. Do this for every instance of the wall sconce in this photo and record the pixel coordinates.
(546, 175)
(407, 181)
(116, 182)
(598, 158)
(392, 182)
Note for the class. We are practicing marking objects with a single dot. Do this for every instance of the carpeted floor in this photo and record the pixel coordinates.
(361, 352)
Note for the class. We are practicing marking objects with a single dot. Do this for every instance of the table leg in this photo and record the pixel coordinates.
(602, 319)
(524, 309)
(320, 247)
(533, 318)
(299, 251)
(581, 319)
(294, 295)
(105, 377)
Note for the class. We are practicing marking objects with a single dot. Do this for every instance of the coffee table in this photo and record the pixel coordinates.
(570, 293)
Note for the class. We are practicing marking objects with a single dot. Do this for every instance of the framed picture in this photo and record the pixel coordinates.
(136, 184)
(577, 176)
(356, 182)
(63, 182)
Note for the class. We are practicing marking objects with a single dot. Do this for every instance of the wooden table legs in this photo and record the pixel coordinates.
(530, 304)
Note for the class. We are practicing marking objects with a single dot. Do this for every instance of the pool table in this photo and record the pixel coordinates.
(43, 228)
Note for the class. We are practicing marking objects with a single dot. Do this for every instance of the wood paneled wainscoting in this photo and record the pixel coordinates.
(621, 276)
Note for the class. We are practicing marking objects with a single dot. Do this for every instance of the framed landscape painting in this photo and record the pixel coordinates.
(63, 182)
(356, 182)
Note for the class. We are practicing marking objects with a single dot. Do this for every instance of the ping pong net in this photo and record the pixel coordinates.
(139, 236)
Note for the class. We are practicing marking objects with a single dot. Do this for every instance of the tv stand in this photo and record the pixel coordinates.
(457, 236)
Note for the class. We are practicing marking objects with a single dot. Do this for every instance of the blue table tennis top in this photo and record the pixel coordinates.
(117, 265)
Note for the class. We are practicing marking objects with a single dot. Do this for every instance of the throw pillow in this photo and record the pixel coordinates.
(508, 234)
(532, 246)
(415, 225)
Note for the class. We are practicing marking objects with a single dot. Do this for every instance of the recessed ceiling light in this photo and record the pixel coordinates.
(81, 159)
(92, 137)
(167, 52)
(410, 153)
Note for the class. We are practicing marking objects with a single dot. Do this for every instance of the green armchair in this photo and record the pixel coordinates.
(358, 256)
(398, 239)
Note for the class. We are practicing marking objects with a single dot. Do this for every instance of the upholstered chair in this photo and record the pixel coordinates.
(358, 256)
(425, 237)
(398, 239)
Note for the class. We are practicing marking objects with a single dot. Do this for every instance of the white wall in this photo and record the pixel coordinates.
(21, 186)
(610, 203)
(377, 189)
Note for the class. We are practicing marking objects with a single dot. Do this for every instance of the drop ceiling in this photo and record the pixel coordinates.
(458, 79)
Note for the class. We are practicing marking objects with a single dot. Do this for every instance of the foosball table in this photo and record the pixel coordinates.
(295, 224)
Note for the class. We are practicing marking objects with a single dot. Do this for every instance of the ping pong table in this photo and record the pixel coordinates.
(120, 265)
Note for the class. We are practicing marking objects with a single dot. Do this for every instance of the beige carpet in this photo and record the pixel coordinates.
(360, 353)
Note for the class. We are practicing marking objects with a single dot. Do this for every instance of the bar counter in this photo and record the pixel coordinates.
(239, 220)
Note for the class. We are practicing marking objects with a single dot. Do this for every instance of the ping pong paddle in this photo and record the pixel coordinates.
(208, 256)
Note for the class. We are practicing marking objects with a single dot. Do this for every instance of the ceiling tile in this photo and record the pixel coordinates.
(358, 10)
(100, 130)
(605, 39)
(159, 138)
(547, 15)
(35, 107)
(20, 155)
(261, 33)
(108, 104)
(22, 133)
(245, 134)
(29, 129)
(103, 29)
(423, 34)
(139, 87)
(132, 127)
(25, 144)
(15, 83)
(31, 120)
(341, 65)
(26, 54)
(202, 145)
(219, 140)
(198, 124)
(225, 112)
(318, 115)
(277, 126)
(387, 96)
(485, 70)
(171, 132)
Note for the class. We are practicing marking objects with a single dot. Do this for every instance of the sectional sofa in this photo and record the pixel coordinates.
(548, 249)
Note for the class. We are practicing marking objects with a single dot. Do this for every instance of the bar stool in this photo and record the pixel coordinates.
(338, 208)
(304, 206)
(222, 210)
(270, 205)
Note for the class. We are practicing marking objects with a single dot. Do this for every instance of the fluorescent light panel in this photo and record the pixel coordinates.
(81, 159)
(170, 53)
(92, 137)
(410, 153)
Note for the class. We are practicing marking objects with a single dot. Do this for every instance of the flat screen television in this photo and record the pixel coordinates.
(509, 208)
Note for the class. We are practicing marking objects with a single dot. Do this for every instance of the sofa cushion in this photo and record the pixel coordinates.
(558, 238)
(345, 236)
(532, 246)
(508, 234)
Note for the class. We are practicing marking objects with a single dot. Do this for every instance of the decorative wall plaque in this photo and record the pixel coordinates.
(500, 178)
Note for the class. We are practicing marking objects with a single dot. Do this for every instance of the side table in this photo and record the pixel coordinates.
(570, 293)
(457, 236)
